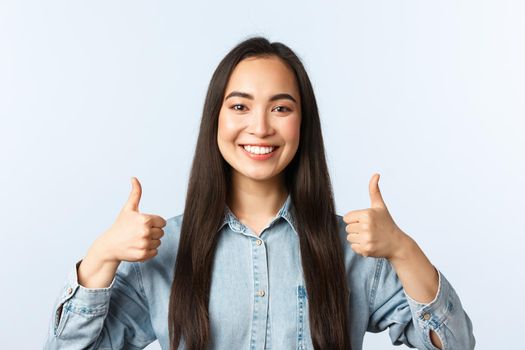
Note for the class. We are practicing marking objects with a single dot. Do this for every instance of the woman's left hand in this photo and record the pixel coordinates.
(372, 232)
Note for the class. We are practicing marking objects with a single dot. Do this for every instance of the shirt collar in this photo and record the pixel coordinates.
(285, 212)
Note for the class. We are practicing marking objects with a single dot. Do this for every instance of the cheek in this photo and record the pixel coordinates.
(291, 131)
(227, 129)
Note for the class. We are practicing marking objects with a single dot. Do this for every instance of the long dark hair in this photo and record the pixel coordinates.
(308, 183)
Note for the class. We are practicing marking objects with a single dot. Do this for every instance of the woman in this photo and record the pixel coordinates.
(259, 258)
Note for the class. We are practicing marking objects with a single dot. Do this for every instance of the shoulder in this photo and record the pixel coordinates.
(173, 225)
(171, 238)
(341, 233)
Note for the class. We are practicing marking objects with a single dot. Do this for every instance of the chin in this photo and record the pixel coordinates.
(258, 176)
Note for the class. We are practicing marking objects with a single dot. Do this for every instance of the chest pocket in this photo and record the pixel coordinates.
(304, 341)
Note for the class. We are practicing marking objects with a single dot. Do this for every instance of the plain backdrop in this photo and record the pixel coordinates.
(428, 94)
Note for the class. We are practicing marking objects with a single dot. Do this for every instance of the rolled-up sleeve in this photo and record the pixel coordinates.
(409, 322)
(101, 318)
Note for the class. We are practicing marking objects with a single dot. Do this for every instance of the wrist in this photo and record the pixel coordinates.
(99, 252)
(406, 247)
(94, 271)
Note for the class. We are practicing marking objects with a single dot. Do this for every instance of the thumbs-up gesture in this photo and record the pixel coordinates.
(134, 236)
(373, 232)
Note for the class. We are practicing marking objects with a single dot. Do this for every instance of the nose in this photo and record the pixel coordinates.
(260, 124)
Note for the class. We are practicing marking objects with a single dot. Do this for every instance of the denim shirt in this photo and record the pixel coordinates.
(258, 298)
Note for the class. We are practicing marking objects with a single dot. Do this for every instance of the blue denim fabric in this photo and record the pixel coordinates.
(258, 298)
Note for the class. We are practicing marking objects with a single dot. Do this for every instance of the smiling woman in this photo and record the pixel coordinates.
(259, 259)
(260, 139)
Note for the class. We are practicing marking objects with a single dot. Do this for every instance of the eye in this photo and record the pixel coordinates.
(286, 109)
(237, 109)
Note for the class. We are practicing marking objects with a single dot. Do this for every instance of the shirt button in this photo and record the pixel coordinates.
(426, 316)
(69, 290)
(258, 242)
(260, 293)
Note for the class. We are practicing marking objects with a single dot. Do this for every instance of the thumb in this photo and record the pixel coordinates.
(134, 197)
(376, 200)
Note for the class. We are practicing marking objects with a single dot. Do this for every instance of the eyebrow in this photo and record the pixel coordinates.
(280, 96)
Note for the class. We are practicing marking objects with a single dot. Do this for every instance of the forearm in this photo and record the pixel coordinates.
(418, 276)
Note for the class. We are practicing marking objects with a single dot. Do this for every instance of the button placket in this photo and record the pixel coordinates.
(261, 303)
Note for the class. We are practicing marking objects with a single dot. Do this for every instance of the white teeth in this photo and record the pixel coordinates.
(258, 150)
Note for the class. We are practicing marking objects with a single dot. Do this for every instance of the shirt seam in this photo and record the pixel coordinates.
(138, 271)
(375, 282)
(139, 278)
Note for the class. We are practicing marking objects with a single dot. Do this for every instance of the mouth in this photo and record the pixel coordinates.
(259, 149)
(256, 152)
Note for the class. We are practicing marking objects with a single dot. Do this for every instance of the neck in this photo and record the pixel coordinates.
(250, 198)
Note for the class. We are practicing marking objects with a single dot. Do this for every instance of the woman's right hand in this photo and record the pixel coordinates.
(134, 236)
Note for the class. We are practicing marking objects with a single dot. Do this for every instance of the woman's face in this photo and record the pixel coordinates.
(261, 106)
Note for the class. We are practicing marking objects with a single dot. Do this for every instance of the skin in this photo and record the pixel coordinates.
(134, 236)
(258, 189)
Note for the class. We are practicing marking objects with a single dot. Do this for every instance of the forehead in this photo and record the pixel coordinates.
(263, 76)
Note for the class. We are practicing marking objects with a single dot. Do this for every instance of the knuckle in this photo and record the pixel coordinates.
(139, 255)
(146, 219)
(145, 232)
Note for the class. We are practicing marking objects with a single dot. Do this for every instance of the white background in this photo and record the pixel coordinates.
(428, 94)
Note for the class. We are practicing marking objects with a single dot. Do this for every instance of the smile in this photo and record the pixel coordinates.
(259, 150)
(259, 153)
